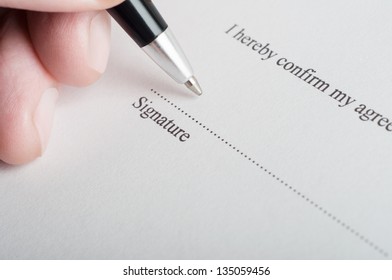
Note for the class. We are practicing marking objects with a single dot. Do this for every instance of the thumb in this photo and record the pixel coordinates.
(59, 5)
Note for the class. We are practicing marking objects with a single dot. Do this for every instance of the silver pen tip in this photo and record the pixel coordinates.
(193, 85)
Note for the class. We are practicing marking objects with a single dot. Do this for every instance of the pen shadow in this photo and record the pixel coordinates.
(129, 74)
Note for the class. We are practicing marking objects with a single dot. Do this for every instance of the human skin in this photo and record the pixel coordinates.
(43, 44)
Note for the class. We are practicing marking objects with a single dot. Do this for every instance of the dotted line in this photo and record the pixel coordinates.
(279, 179)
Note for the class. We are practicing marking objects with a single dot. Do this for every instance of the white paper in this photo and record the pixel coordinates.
(115, 186)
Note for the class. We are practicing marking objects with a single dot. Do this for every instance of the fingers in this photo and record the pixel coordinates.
(27, 94)
(74, 47)
(59, 5)
(37, 52)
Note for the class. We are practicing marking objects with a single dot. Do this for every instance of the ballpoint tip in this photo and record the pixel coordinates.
(194, 86)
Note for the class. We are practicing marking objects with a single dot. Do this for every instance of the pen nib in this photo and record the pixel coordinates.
(193, 85)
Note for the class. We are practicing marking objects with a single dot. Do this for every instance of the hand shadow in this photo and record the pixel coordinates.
(6, 167)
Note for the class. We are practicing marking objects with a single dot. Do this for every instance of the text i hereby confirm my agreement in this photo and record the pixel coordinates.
(265, 52)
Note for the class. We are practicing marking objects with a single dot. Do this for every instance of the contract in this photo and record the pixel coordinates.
(286, 155)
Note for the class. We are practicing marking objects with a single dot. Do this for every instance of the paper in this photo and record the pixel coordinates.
(287, 154)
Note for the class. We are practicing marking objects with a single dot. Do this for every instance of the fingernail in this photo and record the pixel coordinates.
(99, 41)
(43, 116)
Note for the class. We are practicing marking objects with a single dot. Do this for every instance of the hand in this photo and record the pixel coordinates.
(55, 42)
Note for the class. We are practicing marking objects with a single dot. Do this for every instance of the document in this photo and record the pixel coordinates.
(286, 155)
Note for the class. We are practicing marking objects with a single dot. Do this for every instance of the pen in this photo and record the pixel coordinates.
(142, 21)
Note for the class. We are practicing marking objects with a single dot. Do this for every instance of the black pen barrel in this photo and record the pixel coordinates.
(140, 19)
